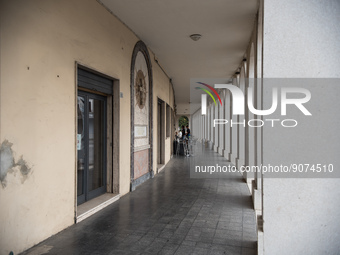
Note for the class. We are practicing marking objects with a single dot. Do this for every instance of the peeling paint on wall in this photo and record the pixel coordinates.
(8, 164)
(6, 161)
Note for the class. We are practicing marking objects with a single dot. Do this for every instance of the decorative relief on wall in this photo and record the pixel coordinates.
(140, 89)
(141, 101)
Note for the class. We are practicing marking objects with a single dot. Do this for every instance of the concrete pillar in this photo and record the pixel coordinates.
(241, 129)
(227, 128)
(249, 116)
(301, 214)
(221, 128)
(216, 129)
(234, 132)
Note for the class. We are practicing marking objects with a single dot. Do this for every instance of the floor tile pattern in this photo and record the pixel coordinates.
(169, 214)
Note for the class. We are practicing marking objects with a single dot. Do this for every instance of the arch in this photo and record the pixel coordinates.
(140, 47)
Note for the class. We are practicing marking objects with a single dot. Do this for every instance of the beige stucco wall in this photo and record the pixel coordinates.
(40, 43)
(162, 90)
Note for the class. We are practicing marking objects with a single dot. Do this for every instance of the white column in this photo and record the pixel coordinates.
(234, 132)
(250, 131)
(211, 125)
(216, 129)
(221, 129)
(301, 40)
(227, 128)
(241, 129)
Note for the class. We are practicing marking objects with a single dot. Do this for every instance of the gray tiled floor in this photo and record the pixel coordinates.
(170, 214)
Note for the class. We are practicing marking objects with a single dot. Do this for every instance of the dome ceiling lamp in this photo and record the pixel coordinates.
(195, 37)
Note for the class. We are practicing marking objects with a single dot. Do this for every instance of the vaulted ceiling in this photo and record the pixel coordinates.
(166, 26)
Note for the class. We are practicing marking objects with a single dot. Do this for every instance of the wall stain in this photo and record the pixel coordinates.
(8, 164)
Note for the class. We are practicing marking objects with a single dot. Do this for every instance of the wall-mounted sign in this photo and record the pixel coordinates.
(140, 131)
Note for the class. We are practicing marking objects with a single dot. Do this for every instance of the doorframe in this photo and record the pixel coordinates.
(113, 131)
(160, 132)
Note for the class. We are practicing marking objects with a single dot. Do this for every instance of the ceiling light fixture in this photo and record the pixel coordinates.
(195, 37)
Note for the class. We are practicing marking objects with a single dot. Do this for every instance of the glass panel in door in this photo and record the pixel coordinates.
(96, 129)
(81, 148)
(91, 144)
